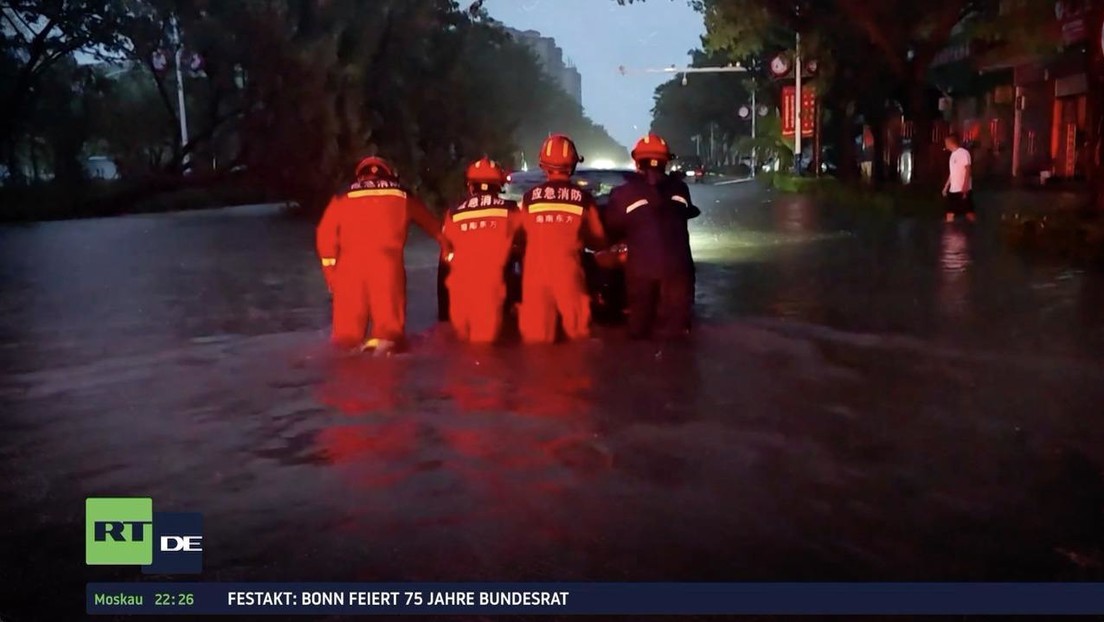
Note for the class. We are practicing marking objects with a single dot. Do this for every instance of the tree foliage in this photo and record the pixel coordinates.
(707, 104)
(41, 36)
(873, 57)
(293, 92)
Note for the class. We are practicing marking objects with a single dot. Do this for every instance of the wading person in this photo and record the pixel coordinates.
(480, 233)
(360, 241)
(557, 215)
(650, 213)
(958, 190)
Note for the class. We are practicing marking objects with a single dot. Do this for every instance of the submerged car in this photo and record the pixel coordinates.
(604, 274)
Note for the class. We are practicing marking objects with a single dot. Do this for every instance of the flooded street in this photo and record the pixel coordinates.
(865, 398)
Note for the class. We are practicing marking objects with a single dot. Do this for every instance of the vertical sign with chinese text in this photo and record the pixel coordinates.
(808, 110)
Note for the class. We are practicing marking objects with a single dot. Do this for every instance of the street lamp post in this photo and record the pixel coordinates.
(180, 94)
(737, 68)
(754, 118)
(797, 107)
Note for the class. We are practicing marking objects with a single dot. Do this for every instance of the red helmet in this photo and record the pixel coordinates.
(559, 154)
(375, 166)
(486, 171)
(651, 147)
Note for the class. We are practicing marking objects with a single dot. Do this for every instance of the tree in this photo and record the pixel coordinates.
(907, 36)
(705, 103)
(37, 35)
(127, 123)
(293, 92)
(870, 54)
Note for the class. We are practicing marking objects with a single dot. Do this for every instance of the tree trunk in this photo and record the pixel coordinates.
(843, 137)
(16, 174)
(878, 129)
(32, 152)
(847, 166)
(921, 135)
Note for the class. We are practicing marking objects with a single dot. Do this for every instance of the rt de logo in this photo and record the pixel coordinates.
(125, 531)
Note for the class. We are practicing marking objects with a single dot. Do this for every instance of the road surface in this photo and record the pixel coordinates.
(865, 398)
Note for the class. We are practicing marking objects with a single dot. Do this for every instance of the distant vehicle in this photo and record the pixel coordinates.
(604, 273)
(101, 167)
(690, 167)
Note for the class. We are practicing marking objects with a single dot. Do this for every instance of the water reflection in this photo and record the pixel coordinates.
(359, 385)
(796, 214)
(955, 259)
(485, 441)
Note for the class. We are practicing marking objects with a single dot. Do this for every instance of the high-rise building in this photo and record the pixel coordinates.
(551, 58)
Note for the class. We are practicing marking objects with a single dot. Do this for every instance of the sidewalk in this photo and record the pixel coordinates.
(1032, 199)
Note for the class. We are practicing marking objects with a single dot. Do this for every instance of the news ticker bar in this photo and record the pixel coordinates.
(596, 598)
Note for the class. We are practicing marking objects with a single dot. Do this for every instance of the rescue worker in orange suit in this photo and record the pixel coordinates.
(650, 214)
(557, 215)
(360, 241)
(480, 233)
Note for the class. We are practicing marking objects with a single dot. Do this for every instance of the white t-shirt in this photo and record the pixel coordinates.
(960, 159)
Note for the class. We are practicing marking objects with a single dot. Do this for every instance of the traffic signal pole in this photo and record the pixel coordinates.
(180, 94)
(683, 71)
(797, 107)
(754, 119)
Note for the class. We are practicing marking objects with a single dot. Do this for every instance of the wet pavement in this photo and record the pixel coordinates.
(866, 398)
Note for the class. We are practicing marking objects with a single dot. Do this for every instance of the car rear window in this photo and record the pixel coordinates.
(599, 182)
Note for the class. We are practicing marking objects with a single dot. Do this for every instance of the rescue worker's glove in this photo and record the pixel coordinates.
(612, 257)
(329, 269)
(447, 251)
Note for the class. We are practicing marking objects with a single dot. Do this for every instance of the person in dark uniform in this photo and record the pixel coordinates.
(650, 213)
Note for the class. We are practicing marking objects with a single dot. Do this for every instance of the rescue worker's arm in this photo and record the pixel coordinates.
(448, 235)
(594, 234)
(515, 222)
(327, 240)
(682, 195)
(615, 218)
(417, 212)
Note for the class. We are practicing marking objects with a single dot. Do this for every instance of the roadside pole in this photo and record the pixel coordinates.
(180, 95)
(684, 71)
(797, 104)
(754, 144)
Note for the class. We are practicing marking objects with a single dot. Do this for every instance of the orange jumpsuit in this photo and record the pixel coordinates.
(480, 231)
(555, 216)
(360, 240)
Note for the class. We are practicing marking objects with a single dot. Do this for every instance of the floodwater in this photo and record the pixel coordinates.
(865, 398)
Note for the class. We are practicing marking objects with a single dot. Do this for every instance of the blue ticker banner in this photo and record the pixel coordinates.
(180, 598)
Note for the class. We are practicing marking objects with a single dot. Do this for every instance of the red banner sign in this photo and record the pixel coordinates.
(808, 110)
(789, 102)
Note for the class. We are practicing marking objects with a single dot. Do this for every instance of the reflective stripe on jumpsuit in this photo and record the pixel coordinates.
(553, 284)
(480, 231)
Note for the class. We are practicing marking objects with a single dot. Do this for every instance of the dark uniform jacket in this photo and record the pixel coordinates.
(651, 219)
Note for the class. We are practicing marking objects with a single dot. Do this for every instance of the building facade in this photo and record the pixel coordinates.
(1023, 113)
(551, 58)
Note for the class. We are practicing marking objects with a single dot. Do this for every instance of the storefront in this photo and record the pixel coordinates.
(1022, 114)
